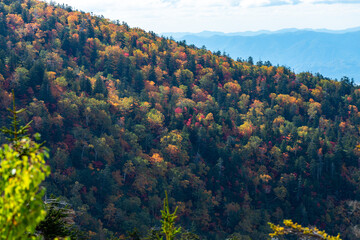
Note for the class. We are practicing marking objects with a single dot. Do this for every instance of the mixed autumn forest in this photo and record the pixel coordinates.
(128, 115)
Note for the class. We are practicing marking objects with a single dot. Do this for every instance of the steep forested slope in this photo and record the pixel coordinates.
(128, 115)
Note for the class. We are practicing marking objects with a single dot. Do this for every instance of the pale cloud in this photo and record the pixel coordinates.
(225, 15)
(332, 1)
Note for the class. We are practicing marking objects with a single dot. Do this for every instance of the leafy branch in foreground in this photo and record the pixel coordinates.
(301, 232)
(22, 169)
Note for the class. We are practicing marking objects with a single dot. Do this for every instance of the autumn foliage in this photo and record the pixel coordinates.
(128, 114)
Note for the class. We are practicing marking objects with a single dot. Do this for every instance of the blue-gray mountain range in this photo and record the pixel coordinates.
(333, 54)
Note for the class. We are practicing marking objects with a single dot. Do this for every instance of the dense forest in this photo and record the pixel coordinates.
(128, 115)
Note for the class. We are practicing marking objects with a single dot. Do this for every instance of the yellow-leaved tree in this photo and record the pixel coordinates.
(299, 231)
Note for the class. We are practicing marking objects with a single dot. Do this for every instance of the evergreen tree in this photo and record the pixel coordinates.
(85, 85)
(168, 221)
(138, 81)
(152, 74)
(99, 87)
(37, 73)
(58, 221)
(45, 91)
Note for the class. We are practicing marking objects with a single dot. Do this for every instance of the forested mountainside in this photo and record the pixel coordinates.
(129, 115)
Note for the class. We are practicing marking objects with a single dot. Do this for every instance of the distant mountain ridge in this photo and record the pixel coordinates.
(333, 53)
(259, 32)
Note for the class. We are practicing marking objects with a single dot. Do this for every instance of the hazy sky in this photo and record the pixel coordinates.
(225, 15)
